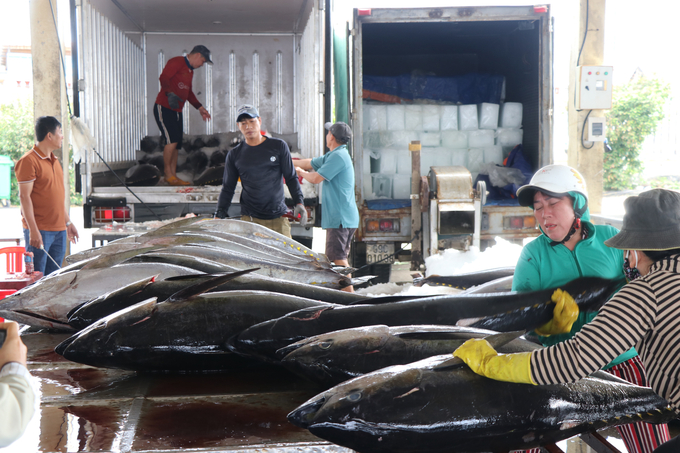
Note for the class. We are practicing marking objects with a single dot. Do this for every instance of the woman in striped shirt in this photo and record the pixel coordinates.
(644, 314)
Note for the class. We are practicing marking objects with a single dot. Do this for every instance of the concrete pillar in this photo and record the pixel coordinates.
(49, 90)
(588, 161)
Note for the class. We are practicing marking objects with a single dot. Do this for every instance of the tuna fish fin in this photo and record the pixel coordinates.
(360, 280)
(344, 270)
(200, 288)
(496, 341)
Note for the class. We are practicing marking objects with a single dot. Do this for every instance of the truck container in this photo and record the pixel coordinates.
(413, 74)
(268, 53)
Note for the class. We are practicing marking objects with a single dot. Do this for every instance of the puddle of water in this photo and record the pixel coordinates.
(72, 429)
(248, 380)
(61, 382)
(211, 422)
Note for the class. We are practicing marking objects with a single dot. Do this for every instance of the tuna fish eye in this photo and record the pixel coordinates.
(325, 344)
(355, 396)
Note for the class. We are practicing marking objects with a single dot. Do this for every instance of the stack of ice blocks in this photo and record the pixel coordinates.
(464, 135)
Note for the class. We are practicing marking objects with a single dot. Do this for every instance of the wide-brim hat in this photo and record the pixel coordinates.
(651, 222)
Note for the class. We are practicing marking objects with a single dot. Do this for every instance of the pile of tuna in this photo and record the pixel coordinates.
(200, 158)
(202, 294)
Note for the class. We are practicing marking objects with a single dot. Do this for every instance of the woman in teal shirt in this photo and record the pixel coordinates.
(572, 247)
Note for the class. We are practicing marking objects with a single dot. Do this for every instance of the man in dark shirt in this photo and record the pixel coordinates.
(176, 80)
(263, 164)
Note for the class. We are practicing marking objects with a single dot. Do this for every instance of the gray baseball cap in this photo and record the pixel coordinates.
(246, 109)
(340, 131)
(203, 51)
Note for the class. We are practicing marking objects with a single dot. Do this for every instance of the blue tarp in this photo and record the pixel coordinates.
(471, 88)
(384, 204)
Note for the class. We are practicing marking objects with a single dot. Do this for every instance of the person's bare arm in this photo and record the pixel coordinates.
(25, 190)
(71, 230)
(310, 176)
(305, 164)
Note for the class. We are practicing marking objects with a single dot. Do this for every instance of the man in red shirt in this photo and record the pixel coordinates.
(176, 81)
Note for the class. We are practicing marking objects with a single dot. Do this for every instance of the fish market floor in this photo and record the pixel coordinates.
(88, 409)
(96, 409)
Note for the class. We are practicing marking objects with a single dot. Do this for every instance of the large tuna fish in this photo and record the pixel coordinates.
(422, 407)
(312, 273)
(335, 357)
(106, 304)
(465, 281)
(47, 302)
(185, 332)
(506, 312)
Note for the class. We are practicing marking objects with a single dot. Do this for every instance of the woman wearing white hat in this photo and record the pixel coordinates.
(572, 247)
(644, 314)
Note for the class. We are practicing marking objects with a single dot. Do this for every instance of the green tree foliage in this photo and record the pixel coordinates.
(16, 135)
(637, 108)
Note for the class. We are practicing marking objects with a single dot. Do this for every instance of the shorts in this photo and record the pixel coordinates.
(338, 242)
(280, 224)
(170, 124)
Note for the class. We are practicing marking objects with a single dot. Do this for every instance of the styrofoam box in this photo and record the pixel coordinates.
(382, 185)
(510, 115)
(373, 139)
(459, 157)
(475, 159)
(388, 161)
(400, 139)
(378, 118)
(493, 154)
(413, 117)
(481, 138)
(430, 139)
(403, 162)
(467, 118)
(401, 187)
(454, 139)
(433, 157)
(395, 117)
(431, 117)
(488, 115)
(449, 118)
(509, 137)
(367, 185)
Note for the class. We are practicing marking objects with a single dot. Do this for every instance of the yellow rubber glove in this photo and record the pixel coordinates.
(483, 359)
(565, 314)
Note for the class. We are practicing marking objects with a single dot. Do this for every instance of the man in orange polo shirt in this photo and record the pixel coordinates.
(41, 192)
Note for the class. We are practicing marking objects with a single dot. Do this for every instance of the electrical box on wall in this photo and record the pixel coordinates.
(594, 89)
(597, 129)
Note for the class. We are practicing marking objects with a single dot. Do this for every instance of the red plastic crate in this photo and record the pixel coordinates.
(6, 292)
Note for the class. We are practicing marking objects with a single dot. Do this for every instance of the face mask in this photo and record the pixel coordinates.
(631, 273)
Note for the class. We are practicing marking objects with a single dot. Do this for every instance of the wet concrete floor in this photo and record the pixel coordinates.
(86, 409)
(96, 409)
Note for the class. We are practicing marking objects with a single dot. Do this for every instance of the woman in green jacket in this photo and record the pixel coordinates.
(572, 247)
